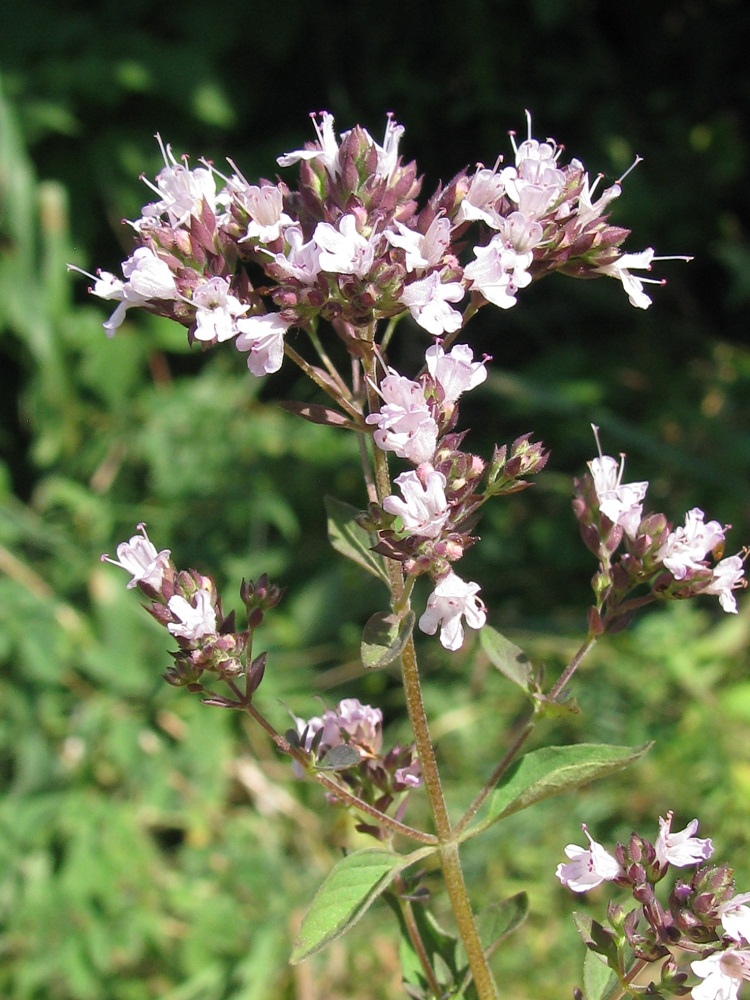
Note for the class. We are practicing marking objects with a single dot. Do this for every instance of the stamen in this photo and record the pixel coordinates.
(638, 159)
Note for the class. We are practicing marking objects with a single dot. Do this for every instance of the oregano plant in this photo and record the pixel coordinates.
(350, 253)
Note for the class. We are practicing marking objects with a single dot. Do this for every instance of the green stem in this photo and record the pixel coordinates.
(450, 861)
(557, 688)
(327, 388)
(508, 758)
(407, 913)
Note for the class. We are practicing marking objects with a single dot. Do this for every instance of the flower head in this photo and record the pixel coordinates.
(427, 300)
(451, 600)
(722, 973)
(680, 849)
(621, 502)
(182, 192)
(216, 311)
(263, 337)
(194, 621)
(456, 372)
(728, 575)
(405, 424)
(587, 868)
(140, 558)
(735, 918)
(424, 508)
(686, 548)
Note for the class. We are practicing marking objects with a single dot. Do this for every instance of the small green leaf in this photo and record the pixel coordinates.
(554, 770)
(501, 918)
(384, 638)
(347, 893)
(339, 758)
(352, 541)
(598, 979)
(509, 659)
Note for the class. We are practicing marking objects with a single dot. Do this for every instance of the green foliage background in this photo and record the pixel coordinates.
(153, 848)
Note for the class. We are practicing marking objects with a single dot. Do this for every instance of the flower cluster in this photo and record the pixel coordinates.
(230, 259)
(428, 527)
(702, 916)
(187, 604)
(675, 562)
(375, 777)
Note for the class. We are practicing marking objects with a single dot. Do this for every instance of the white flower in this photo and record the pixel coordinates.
(735, 918)
(195, 621)
(686, 548)
(301, 260)
(727, 576)
(451, 600)
(486, 188)
(182, 191)
(263, 337)
(587, 868)
(265, 206)
(344, 250)
(621, 502)
(216, 311)
(680, 849)
(405, 424)
(722, 974)
(422, 250)
(427, 300)
(456, 372)
(327, 149)
(499, 271)
(424, 509)
(633, 286)
(147, 278)
(140, 558)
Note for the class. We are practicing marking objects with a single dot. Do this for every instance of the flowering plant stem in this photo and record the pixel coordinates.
(450, 861)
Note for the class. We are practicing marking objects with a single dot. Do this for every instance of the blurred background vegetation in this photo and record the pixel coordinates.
(153, 848)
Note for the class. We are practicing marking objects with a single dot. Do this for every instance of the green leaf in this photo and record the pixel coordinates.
(347, 893)
(339, 758)
(384, 638)
(554, 770)
(501, 918)
(509, 659)
(598, 979)
(352, 541)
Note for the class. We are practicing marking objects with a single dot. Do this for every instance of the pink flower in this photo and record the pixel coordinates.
(405, 424)
(194, 621)
(217, 311)
(422, 250)
(182, 191)
(263, 337)
(499, 271)
(728, 576)
(427, 300)
(735, 918)
(451, 600)
(456, 372)
(265, 206)
(344, 250)
(680, 849)
(633, 286)
(621, 502)
(722, 973)
(686, 548)
(140, 558)
(147, 278)
(587, 868)
(424, 508)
